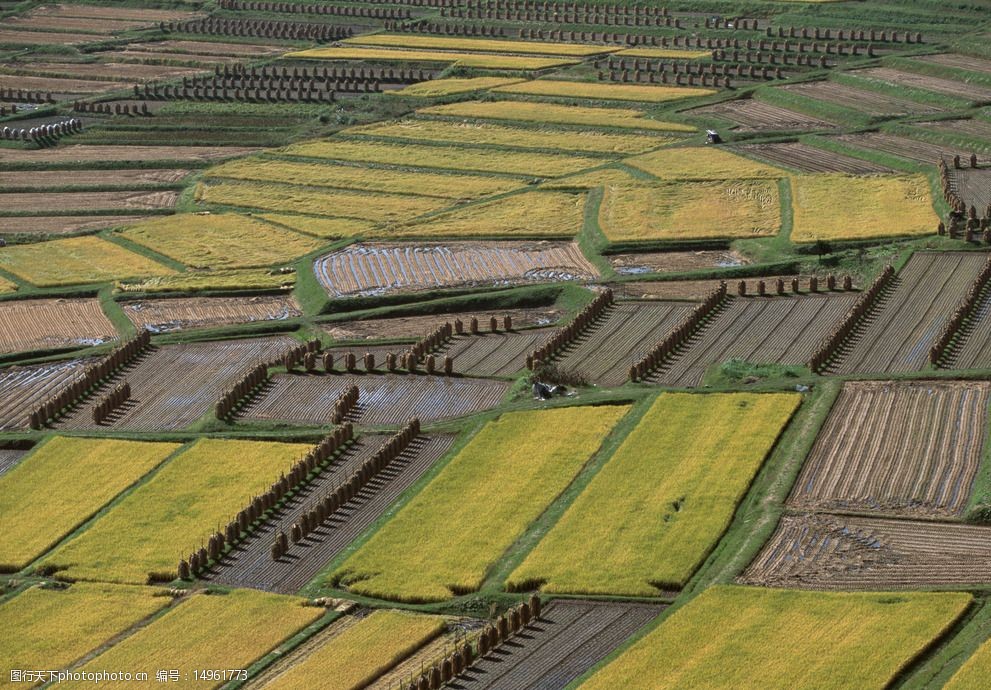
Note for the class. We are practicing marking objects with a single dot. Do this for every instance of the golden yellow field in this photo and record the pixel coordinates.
(517, 137)
(71, 479)
(491, 45)
(361, 653)
(49, 629)
(170, 515)
(595, 178)
(447, 157)
(224, 240)
(367, 206)
(844, 207)
(655, 510)
(328, 228)
(974, 674)
(691, 210)
(452, 85)
(435, 548)
(476, 60)
(664, 53)
(7, 285)
(76, 260)
(556, 114)
(207, 631)
(194, 281)
(442, 185)
(600, 91)
(746, 637)
(702, 163)
(531, 214)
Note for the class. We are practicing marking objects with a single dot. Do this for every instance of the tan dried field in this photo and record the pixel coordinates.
(89, 178)
(186, 313)
(44, 324)
(90, 153)
(68, 86)
(43, 202)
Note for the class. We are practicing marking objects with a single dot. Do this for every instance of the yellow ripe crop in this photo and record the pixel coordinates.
(477, 60)
(664, 53)
(442, 185)
(52, 628)
(698, 163)
(595, 178)
(554, 113)
(76, 260)
(328, 228)
(657, 508)
(691, 210)
(320, 202)
(477, 44)
(215, 631)
(194, 281)
(225, 240)
(71, 478)
(361, 653)
(532, 214)
(885, 206)
(451, 86)
(7, 285)
(973, 675)
(499, 135)
(746, 637)
(435, 548)
(598, 90)
(170, 515)
(447, 157)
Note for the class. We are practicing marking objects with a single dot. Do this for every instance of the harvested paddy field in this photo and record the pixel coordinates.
(674, 262)
(761, 330)
(805, 158)
(957, 61)
(419, 326)
(973, 185)
(863, 100)
(51, 324)
(553, 113)
(619, 338)
(67, 87)
(90, 153)
(837, 552)
(236, 279)
(975, 128)
(126, 72)
(89, 178)
(897, 448)
(43, 202)
(180, 314)
(948, 87)
(174, 385)
(19, 37)
(903, 147)
(251, 564)
(972, 348)
(751, 115)
(55, 225)
(772, 638)
(570, 637)
(494, 353)
(22, 389)
(10, 457)
(378, 269)
(383, 400)
(236, 48)
(907, 319)
(697, 290)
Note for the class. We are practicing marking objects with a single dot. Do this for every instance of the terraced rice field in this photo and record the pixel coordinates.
(197, 634)
(419, 326)
(703, 165)
(378, 269)
(494, 354)
(973, 186)
(805, 158)
(141, 538)
(469, 60)
(90, 178)
(76, 260)
(452, 555)
(751, 115)
(477, 44)
(130, 72)
(90, 153)
(180, 314)
(569, 638)
(600, 91)
(238, 49)
(771, 638)
(862, 100)
(251, 564)
(553, 113)
(972, 350)
(318, 226)
(24, 388)
(897, 448)
(384, 400)
(837, 552)
(975, 128)
(453, 85)
(624, 334)
(957, 61)
(222, 279)
(63, 87)
(48, 324)
(903, 147)
(949, 87)
(45, 37)
(54, 225)
(908, 318)
(9, 457)
(782, 330)
(972, 675)
(890, 206)
(531, 214)
(658, 507)
(73, 478)
(174, 385)
(674, 262)
(88, 201)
